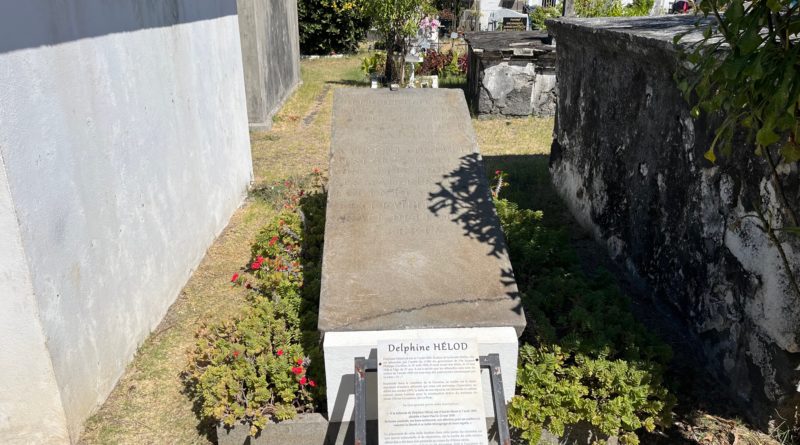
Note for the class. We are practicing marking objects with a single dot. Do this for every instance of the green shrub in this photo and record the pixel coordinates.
(539, 15)
(612, 8)
(257, 368)
(599, 8)
(443, 64)
(247, 370)
(590, 360)
(313, 210)
(330, 26)
(558, 388)
(374, 64)
(453, 68)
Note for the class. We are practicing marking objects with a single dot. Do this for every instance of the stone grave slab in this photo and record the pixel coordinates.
(412, 239)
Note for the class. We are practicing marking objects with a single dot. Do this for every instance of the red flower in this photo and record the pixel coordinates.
(303, 381)
(234, 277)
(299, 361)
(256, 265)
(297, 370)
(279, 352)
(260, 259)
(273, 240)
(235, 354)
(497, 172)
(311, 383)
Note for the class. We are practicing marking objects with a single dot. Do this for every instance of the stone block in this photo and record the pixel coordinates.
(412, 239)
(413, 245)
(511, 74)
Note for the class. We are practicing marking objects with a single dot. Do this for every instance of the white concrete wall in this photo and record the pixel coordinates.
(123, 131)
(30, 403)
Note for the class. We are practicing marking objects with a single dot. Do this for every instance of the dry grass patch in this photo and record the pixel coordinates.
(517, 136)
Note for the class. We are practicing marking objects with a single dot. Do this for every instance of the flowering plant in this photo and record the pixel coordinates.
(501, 181)
(259, 367)
(443, 64)
(429, 26)
(245, 370)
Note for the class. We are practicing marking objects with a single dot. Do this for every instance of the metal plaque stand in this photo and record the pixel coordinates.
(491, 362)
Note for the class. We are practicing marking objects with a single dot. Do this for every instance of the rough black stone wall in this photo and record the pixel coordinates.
(628, 159)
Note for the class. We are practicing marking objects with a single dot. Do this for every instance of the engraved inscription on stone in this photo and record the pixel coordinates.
(429, 391)
(412, 239)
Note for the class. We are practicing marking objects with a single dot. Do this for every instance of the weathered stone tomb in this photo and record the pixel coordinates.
(413, 246)
(628, 159)
(511, 73)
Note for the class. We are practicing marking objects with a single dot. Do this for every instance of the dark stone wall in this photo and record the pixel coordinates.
(628, 160)
(271, 55)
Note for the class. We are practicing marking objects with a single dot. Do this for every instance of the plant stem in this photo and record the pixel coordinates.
(767, 227)
(779, 187)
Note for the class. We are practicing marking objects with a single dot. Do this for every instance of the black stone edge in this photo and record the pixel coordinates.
(613, 30)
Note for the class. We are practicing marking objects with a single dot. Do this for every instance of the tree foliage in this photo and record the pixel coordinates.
(745, 73)
(396, 21)
(746, 70)
(611, 8)
(330, 26)
(539, 15)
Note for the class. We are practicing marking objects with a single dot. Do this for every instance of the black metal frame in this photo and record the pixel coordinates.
(491, 361)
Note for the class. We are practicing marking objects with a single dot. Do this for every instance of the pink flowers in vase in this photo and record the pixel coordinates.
(429, 27)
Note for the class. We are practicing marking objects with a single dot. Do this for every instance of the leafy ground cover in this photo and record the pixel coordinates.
(585, 358)
(265, 363)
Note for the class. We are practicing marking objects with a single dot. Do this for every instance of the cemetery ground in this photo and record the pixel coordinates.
(149, 405)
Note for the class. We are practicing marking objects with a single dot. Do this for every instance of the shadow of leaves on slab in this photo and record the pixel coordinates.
(463, 195)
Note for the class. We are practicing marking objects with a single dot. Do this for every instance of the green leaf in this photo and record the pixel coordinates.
(792, 230)
(785, 121)
(774, 5)
(790, 152)
(766, 136)
(734, 12)
(749, 41)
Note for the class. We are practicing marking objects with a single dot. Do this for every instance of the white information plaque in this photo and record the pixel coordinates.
(429, 391)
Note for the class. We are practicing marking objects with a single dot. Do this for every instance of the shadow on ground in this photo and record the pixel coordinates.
(348, 83)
